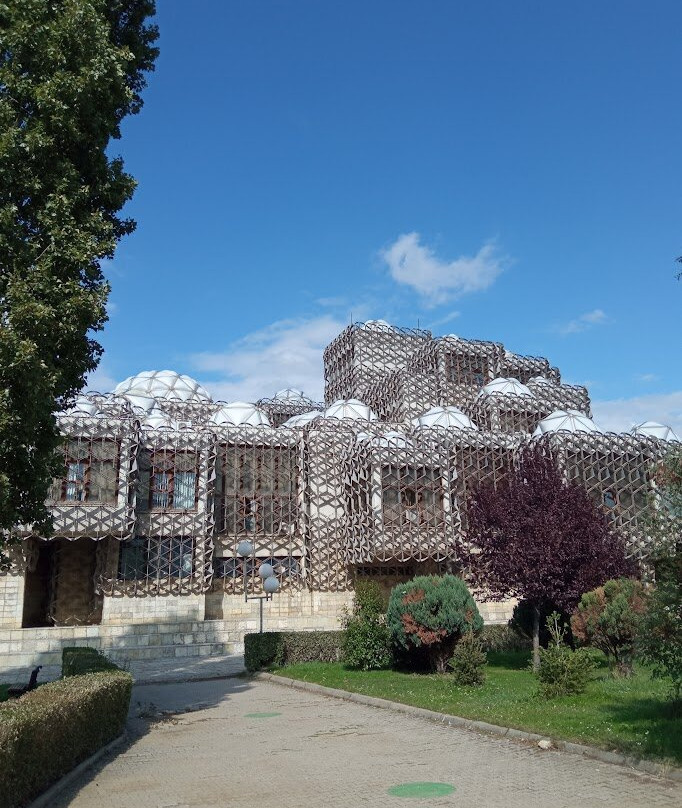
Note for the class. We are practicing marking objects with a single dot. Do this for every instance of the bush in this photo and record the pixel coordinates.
(429, 614)
(468, 661)
(367, 642)
(281, 648)
(608, 618)
(562, 671)
(522, 623)
(48, 731)
(77, 660)
(503, 638)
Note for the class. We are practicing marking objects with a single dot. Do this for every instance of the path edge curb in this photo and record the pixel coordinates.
(48, 796)
(593, 752)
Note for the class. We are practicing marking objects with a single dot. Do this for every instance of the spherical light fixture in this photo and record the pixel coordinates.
(244, 549)
(270, 584)
(266, 571)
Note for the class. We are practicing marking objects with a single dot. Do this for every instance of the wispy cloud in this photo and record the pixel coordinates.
(287, 353)
(583, 322)
(417, 266)
(619, 415)
(645, 378)
(448, 318)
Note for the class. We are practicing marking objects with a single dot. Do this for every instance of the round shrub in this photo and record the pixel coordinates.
(429, 614)
(608, 618)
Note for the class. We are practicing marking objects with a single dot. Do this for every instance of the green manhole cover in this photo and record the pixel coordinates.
(261, 715)
(421, 790)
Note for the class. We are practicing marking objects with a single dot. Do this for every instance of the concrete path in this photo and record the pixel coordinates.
(253, 744)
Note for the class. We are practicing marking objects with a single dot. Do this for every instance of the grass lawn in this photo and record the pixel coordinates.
(631, 716)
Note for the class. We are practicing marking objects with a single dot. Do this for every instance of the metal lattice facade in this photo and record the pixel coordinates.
(160, 483)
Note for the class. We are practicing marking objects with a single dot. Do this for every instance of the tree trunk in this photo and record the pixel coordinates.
(536, 637)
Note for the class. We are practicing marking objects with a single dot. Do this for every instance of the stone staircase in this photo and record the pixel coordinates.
(148, 650)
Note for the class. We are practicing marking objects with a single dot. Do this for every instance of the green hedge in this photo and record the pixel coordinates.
(48, 731)
(79, 660)
(503, 638)
(290, 647)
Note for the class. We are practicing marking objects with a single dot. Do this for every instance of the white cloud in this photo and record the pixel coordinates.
(646, 377)
(582, 323)
(100, 381)
(413, 264)
(619, 415)
(287, 353)
(453, 315)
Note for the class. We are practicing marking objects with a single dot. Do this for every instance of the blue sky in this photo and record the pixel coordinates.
(504, 171)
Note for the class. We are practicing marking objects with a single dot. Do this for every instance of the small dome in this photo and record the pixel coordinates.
(377, 325)
(157, 419)
(506, 387)
(391, 440)
(565, 421)
(141, 390)
(238, 413)
(450, 336)
(303, 419)
(653, 429)
(540, 381)
(83, 406)
(291, 396)
(350, 408)
(450, 417)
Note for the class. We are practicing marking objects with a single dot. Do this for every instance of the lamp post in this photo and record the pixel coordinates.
(265, 571)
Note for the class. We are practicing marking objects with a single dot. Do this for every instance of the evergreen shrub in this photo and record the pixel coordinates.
(562, 671)
(429, 614)
(367, 642)
(468, 661)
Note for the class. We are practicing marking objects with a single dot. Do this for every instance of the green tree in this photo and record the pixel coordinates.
(608, 618)
(660, 639)
(70, 71)
(366, 642)
(430, 614)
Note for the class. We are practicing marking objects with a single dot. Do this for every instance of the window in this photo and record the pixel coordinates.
(151, 558)
(609, 499)
(258, 489)
(411, 495)
(90, 472)
(167, 480)
(467, 369)
(284, 566)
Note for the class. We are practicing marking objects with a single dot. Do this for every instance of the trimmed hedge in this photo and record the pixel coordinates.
(281, 648)
(48, 731)
(77, 661)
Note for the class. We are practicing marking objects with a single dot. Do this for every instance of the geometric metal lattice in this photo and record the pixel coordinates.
(167, 490)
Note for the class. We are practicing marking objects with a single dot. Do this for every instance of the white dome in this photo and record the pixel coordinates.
(391, 440)
(157, 419)
(291, 395)
(379, 325)
(503, 386)
(565, 421)
(541, 380)
(445, 416)
(350, 408)
(237, 413)
(303, 419)
(653, 429)
(83, 406)
(141, 390)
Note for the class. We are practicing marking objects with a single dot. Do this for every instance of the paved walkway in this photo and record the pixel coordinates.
(253, 744)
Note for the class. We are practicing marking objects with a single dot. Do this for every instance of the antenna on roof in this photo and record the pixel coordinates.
(417, 323)
(351, 318)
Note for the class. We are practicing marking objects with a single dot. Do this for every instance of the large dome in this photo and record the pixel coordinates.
(240, 413)
(506, 387)
(303, 419)
(450, 417)
(142, 389)
(350, 408)
(565, 421)
(290, 395)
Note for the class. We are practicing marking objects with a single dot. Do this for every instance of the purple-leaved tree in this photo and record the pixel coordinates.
(540, 538)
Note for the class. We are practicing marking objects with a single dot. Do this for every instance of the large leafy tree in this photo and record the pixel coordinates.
(540, 538)
(70, 71)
